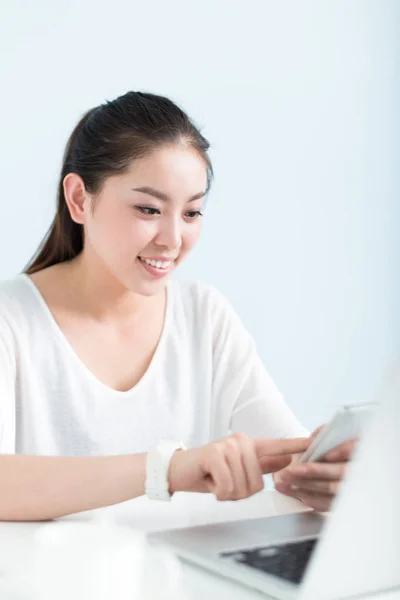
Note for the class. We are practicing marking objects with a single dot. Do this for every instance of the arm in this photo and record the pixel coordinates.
(255, 406)
(245, 395)
(260, 408)
(39, 487)
(46, 487)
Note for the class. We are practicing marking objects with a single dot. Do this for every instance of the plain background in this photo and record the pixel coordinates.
(299, 100)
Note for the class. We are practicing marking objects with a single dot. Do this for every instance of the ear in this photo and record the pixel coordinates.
(76, 197)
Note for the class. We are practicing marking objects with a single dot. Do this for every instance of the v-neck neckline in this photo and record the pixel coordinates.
(68, 346)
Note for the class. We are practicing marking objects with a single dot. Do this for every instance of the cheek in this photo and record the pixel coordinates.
(110, 232)
(191, 235)
(118, 233)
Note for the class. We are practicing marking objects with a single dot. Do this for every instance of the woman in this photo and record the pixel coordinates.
(103, 358)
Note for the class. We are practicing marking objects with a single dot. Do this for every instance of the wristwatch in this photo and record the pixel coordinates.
(157, 464)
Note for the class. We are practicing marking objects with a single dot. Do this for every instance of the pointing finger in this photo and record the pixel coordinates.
(281, 446)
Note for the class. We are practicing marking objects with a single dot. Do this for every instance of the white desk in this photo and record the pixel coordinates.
(54, 555)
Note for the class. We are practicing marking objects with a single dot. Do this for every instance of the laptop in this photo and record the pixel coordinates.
(353, 551)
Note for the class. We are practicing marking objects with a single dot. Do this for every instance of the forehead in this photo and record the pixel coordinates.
(174, 168)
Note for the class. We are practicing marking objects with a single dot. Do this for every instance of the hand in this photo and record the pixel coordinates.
(316, 484)
(231, 468)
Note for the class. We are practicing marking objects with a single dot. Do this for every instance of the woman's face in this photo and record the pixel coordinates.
(146, 221)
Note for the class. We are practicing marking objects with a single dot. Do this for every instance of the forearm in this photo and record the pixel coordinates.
(37, 488)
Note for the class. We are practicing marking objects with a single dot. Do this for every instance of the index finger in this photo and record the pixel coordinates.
(281, 446)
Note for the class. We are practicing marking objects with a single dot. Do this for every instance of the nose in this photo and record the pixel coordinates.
(170, 233)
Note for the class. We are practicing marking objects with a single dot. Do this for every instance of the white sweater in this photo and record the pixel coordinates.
(204, 380)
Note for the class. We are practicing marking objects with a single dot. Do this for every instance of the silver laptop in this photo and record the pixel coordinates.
(353, 551)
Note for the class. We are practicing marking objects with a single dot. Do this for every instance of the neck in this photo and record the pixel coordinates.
(102, 296)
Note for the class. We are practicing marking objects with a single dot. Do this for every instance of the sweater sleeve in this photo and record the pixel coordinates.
(245, 397)
(7, 390)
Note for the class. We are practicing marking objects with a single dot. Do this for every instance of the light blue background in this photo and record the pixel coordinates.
(300, 102)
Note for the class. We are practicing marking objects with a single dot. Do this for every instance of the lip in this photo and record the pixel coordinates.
(154, 271)
(162, 258)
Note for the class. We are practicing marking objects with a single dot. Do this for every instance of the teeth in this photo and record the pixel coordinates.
(157, 263)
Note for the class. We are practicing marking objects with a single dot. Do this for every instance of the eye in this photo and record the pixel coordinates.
(194, 214)
(148, 210)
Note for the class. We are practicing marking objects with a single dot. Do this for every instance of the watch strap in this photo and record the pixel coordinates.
(157, 466)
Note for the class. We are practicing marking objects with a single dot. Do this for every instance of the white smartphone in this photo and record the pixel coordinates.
(345, 425)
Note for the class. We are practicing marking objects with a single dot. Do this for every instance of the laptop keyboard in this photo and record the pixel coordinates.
(288, 561)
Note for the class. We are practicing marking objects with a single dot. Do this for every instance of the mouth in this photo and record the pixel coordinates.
(156, 268)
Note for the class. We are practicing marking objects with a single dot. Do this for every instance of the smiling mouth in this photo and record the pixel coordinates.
(156, 264)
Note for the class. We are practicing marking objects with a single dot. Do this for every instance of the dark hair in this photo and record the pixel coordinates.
(104, 143)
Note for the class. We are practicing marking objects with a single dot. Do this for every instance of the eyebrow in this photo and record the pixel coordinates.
(162, 196)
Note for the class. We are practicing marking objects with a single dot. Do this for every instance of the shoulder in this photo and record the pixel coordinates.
(16, 298)
(201, 297)
(205, 306)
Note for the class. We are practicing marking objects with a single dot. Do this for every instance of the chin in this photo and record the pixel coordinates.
(148, 288)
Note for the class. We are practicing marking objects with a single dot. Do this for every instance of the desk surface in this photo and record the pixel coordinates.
(92, 554)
